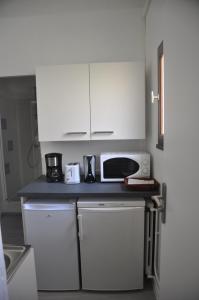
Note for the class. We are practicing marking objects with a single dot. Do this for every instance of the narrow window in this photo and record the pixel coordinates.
(160, 144)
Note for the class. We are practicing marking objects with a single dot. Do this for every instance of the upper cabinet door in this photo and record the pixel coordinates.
(117, 95)
(63, 102)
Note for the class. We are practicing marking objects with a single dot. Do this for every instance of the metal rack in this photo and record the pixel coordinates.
(155, 215)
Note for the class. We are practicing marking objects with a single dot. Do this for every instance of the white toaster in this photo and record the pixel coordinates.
(72, 173)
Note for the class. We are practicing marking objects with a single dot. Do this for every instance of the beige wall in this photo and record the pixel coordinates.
(74, 151)
(177, 23)
(68, 31)
(37, 32)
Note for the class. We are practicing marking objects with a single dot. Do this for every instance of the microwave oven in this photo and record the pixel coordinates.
(114, 167)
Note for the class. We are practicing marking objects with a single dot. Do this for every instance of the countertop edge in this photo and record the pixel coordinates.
(132, 194)
(42, 189)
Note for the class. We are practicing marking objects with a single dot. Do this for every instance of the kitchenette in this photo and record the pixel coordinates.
(91, 229)
(85, 221)
(98, 227)
(89, 223)
(99, 150)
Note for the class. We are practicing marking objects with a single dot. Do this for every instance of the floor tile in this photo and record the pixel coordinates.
(83, 295)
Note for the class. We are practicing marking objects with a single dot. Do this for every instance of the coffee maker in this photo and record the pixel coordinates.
(89, 168)
(54, 167)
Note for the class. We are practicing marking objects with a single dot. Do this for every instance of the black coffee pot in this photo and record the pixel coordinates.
(54, 167)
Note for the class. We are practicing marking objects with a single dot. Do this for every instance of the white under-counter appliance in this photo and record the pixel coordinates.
(50, 227)
(114, 167)
(111, 234)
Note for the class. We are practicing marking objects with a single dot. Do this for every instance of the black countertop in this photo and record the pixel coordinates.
(42, 189)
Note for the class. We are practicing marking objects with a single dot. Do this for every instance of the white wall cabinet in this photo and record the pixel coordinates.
(63, 102)
(117, 95)
(100, 101)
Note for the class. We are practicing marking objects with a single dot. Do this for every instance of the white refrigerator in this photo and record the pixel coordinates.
(111, 237)
(50, 227)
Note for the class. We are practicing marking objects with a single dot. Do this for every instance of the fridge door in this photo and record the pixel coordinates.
(51, 230)
(111, 247)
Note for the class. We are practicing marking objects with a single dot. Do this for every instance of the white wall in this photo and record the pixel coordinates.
(74, 151)
(177, 23)
(66, 31)
(37, 32)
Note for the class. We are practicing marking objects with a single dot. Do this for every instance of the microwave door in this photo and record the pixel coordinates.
(116, 169)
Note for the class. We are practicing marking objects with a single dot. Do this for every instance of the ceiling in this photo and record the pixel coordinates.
(22, 8)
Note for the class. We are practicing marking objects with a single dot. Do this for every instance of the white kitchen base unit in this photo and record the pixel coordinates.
(22, 285)
(50, 227)
(111, 237)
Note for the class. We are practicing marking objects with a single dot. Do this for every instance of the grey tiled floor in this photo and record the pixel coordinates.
(146, 294)
(12, 233)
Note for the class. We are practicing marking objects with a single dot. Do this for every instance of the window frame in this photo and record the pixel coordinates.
(160, 144)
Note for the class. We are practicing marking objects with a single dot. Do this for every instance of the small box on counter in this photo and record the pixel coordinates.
(141, 183)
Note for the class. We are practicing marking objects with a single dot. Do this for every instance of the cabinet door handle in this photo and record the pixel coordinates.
(76, 132)
(80, 227)
(103, 132)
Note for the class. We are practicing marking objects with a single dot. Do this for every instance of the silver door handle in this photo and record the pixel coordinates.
(103, 132)
(76, 132)
(161, 201)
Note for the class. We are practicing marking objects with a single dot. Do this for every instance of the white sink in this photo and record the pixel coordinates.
(12, 256)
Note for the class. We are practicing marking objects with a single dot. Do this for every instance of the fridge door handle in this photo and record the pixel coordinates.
(80, 227)
(109, 209)
(147, 245)
(103, 132)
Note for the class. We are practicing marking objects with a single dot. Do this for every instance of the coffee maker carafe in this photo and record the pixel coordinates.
(54, 167)
(89, 168)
